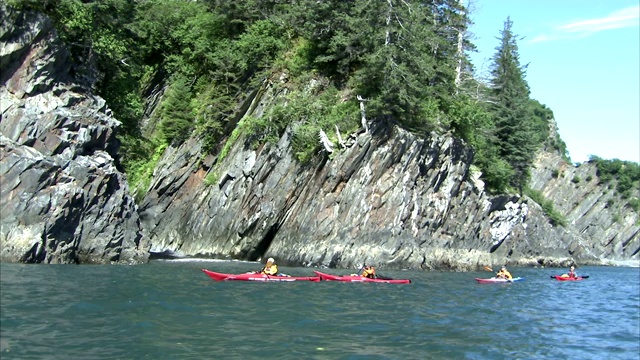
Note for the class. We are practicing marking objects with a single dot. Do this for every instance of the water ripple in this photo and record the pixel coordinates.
(170, 310)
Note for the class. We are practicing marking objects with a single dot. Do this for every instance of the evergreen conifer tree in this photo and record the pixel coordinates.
(176, 114)
(510, 108)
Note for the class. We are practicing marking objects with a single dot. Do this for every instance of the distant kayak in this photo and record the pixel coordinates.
(257, 277)
(497, 280)
(358, 278)
(566, 278)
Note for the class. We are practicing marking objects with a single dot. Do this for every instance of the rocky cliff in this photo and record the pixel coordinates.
(390, 198)
(62, 200)
(593, 210)
(387, 198)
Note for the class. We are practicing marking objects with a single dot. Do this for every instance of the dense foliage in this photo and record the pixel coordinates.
(406, 60)
(623, 175)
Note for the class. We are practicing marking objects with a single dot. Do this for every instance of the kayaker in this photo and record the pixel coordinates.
(369, 272)
(504, 273)
(270, 268)
(571, 274)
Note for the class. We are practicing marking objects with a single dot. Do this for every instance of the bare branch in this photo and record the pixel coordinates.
(340, 141)
(326, 143)
(362, 111)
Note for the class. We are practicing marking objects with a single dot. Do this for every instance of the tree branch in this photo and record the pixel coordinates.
(362, 111)
(340, 141)
(326, 143)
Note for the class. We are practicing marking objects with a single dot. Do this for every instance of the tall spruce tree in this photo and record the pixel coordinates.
(511, 111)
(408, 67)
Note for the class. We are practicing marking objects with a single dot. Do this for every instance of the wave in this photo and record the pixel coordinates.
(624, 263)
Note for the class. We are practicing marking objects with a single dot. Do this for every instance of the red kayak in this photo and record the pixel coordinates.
(566, 278)
(358, 278)
(257, 277)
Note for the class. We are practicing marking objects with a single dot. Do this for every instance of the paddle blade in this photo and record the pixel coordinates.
(488, 268)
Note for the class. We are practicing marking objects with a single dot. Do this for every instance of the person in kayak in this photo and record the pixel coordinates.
(369, 272)
(504, 273)
(572, 273)
(270, 268)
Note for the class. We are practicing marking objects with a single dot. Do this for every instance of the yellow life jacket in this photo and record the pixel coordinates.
(270, 270)
(505, 274)
(369, 272)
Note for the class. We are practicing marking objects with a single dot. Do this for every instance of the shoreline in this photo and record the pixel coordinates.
(623, 263)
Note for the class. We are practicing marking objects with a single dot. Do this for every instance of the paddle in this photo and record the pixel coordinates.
(488, 269)
(583, 277)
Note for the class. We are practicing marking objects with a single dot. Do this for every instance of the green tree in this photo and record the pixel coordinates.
(510, 107)
(407, 70)
(625, 173)
(474, 123)
(176, 115)
(401, 56)
(407, 58)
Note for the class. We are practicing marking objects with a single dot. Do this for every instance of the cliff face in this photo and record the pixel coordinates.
(388, 198)
(62, 200)
(593, 210)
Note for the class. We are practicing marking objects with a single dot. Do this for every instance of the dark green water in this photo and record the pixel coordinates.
(171, 310)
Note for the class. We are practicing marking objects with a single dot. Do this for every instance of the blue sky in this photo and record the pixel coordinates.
(584, 61)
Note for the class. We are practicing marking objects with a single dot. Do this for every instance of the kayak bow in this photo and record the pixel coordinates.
(358, 278)
(257, 277)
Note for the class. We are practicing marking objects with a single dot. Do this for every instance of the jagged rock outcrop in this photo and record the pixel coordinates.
(391, 199)
(593, 210)
(62, 200)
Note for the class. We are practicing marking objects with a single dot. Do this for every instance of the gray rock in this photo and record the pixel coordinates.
(595, 213)
(62, 200)
(390, 199)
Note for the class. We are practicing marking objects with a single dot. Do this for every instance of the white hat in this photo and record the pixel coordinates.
(270, 260)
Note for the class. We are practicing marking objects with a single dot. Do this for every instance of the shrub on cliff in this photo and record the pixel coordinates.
(625, 174)
(555, 217)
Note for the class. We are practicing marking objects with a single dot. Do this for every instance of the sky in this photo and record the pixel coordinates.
(583, 61)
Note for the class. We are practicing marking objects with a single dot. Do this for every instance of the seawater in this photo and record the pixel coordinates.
(171, 310)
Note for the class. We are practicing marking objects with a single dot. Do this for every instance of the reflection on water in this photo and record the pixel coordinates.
(170, 310)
